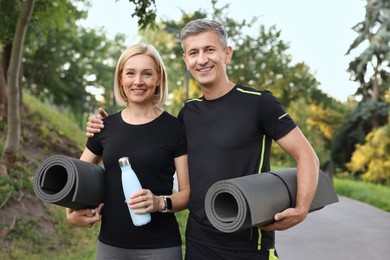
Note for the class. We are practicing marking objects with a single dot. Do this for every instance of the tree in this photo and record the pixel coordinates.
(69, 60)
(356, 128)
(12, 141)
(49, 15)
(145, 10)
(46, 15)
(371, 160)
(374, 30)
(371, 112)
(9, 11)
(17, 16)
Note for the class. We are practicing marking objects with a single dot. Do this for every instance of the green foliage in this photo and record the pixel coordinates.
(59, 55)
(145, 10)
(355, 129)
(9, 11)
(372, 159)
(52, 15)
(80, 242)
(25, 230)
(23, 249)
(371, 70)
(7, 190)
(22, 238)
(21, 175)
(59, 120)
(373, 194)
(182, 217)
(374, 30)
(313, 129)
(319, 120)
(68, 61)
(19, 179)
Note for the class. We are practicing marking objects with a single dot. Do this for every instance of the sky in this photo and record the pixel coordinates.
(319, 33)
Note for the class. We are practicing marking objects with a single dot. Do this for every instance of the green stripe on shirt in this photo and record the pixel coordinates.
(249, 92)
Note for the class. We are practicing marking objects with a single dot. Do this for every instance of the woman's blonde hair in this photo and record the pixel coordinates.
(146, 49)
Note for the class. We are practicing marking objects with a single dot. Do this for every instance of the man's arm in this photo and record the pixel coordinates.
(298, 147)
(95, 123)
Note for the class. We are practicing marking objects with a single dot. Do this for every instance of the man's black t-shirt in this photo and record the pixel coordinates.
(151, 149)
(230, 137)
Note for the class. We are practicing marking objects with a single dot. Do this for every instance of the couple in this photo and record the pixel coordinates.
(226, 133)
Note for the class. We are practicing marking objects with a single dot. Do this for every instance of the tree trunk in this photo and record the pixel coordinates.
(3, 92)
(12, 142)
(375, 91)
(5, 54)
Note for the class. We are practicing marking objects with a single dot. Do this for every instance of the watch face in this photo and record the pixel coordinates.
(169, 203)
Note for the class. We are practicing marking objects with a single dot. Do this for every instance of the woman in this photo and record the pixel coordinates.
(155, 143)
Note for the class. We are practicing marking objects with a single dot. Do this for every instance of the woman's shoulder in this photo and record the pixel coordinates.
(112, 118)
(170, 118)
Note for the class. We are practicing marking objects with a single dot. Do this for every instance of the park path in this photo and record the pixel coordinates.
(347, 230)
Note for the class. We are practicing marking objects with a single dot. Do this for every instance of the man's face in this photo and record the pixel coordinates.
(205, 58)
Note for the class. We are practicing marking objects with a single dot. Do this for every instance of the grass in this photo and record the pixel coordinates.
(59, 120)
(370, 193)
(182, 220)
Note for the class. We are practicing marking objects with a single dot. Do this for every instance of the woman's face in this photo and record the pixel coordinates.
(139, 79)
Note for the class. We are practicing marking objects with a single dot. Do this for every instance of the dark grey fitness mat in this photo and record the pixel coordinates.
(253, 200)
(69, 182)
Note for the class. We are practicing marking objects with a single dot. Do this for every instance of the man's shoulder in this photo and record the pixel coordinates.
(251, 91)
(193, 100)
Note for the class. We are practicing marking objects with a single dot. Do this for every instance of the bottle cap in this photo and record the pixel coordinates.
(124, 161)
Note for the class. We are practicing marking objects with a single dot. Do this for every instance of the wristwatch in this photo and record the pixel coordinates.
(167, 203)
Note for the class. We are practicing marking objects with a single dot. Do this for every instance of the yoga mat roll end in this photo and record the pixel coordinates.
(253, 200)
(69, 182)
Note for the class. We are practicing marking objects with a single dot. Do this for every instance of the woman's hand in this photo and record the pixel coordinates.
(84, 217)
(144, 201)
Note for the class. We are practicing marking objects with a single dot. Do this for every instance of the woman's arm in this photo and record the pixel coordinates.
(144, 200)
(180, 198)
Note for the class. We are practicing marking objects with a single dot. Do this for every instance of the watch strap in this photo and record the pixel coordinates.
(167, 204)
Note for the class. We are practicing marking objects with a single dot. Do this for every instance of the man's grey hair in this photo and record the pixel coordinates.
(202, 25)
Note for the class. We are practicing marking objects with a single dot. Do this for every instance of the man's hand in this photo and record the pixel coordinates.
(286, 219)
(95, 123)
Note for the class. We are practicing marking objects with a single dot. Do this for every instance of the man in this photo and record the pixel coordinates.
(229, 134)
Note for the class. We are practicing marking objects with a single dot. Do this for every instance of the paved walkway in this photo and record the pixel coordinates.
(347, 230)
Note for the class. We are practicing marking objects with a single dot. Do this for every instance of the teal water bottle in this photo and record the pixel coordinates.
(131, 184)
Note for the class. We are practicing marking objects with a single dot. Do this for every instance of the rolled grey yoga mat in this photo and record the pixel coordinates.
(253, 200)
(69, 182)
